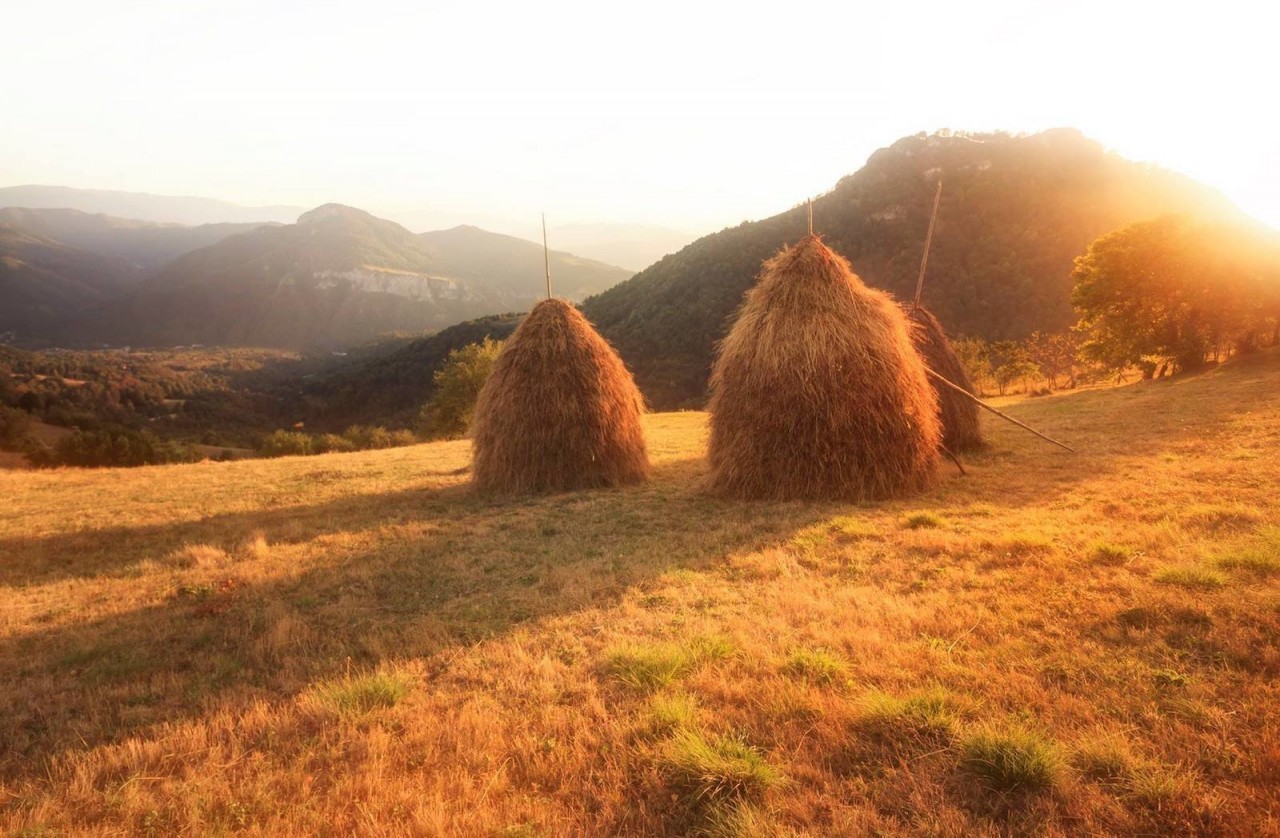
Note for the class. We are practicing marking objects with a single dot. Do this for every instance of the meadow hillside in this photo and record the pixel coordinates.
(1015, 212)
(1052, 644)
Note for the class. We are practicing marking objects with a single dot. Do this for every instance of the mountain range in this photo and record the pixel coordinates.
(632, 246)
(337, 276)
(166, 209)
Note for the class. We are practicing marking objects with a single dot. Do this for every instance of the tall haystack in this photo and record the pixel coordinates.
(817, 391)
(960, 428)
(559, 412)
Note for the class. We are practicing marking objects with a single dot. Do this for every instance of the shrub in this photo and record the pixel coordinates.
(286, 443)
(457, 386)
(14, 426)
(330, 444)
(114, 447)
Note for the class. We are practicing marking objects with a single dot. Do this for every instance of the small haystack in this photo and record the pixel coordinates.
(960, 428)
(559, 412)
(817, 391)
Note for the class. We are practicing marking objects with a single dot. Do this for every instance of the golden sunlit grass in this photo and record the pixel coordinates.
(354, 643)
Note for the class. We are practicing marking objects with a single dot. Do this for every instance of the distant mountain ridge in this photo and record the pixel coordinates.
(1015, 212)
(174, 209)
(337, 277)
(147, 246)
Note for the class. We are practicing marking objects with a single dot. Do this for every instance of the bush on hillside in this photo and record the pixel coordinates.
(457, 386)
(14, 426)
(113, 447)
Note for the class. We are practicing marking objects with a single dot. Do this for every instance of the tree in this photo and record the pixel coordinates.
(14, 426)
(1054, 356)
(1169, 292)
(975, 356)
(457, 386)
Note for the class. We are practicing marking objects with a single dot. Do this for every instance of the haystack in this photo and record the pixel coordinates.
(559, 411)
(817, 391)
(960, 428)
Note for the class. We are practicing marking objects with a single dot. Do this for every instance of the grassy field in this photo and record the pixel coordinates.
(1054, 644)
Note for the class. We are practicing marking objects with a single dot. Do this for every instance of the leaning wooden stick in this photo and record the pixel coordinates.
(924, 260)
(1004, 416)
(546, 254)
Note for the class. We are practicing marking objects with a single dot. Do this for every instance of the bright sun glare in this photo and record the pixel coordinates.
(666, 113)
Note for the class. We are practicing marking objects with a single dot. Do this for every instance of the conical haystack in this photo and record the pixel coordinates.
(559, 412)
(817, 391)
(960, 428)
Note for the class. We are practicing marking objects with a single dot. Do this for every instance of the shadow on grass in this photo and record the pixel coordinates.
(410, 574)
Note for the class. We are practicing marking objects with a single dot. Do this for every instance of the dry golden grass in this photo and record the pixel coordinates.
(354, 643)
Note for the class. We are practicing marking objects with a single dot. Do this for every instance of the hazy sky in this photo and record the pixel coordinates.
(684, 114)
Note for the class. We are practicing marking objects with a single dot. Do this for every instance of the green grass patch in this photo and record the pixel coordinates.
(738, 819)
(1105, 759)
(1170, 678)
(810, 540)
(1026, 544)
(1106, 553)
(1154, 785)
(1012, 759)
(717, 768)
(673, 712)
(819, 666)
(355, 695)
(649, 666)
(921, 521)
(928, 714)
(1191, 576)
(1262, 557)
(849, 528)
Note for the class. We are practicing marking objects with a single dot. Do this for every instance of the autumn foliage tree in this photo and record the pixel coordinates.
(1173, 292)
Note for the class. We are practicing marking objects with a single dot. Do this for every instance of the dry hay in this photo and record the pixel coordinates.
(559, 411)
(817, 391)
(960, 428)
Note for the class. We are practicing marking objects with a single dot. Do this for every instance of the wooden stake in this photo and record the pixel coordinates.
(546, 254)
(811, 216)
(1004, 416)
(924, 260)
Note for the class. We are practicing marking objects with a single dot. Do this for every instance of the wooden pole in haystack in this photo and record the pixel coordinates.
(546, 254)
(1004, 416)
(924, 260)
(811, 216)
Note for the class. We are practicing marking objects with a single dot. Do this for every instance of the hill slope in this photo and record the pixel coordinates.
(337, 277)
(1053, 644)
(390, 388)
(503, 263)
(146, 245)
(43, 281)
(1015, 212)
